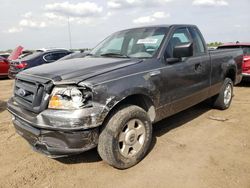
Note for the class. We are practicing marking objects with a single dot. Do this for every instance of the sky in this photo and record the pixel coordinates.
(46, 23)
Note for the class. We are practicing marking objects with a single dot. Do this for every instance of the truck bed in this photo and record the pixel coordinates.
(221, 57)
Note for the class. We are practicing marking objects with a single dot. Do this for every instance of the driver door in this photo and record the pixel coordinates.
(188, 79)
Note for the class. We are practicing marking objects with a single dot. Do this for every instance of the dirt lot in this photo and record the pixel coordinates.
(199, 147)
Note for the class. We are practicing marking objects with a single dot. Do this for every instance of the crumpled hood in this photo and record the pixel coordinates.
(79, 69)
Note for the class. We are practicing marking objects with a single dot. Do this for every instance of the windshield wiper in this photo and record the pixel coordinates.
(114, 55)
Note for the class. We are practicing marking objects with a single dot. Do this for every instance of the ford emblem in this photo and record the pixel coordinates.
(21, 92)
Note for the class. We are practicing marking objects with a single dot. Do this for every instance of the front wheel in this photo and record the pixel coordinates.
(224, 98)
(126, 138)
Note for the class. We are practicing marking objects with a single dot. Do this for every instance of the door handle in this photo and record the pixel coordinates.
(155, 73)
(198, 67)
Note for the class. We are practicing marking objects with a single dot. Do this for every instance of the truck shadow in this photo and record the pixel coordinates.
(86, 157)
(4, 78)
(3, 106)
(164, 126)
(159, 129)
(177, 120)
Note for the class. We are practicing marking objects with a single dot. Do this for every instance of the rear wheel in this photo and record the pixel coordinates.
(224, 98)
(126, 138)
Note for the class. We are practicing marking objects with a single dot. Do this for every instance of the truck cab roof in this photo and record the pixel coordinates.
(162, 26)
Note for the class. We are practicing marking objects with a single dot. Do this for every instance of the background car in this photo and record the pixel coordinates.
(246, 59)
(4, 67)
(25, 53)
(4, 55)
(6, 58)
(35, 59)
(77, 54)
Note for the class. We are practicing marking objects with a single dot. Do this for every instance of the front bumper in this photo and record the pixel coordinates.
(49, 140)
(247, 75)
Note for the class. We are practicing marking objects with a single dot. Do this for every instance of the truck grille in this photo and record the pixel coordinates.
(30, 94)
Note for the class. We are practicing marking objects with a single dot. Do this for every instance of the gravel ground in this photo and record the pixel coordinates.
(199, 147)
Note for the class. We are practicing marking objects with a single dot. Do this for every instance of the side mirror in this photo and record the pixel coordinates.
(183, 50)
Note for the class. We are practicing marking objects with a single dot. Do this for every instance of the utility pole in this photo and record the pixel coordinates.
(69, 31)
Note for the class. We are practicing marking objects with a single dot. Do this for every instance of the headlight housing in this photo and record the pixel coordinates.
(69, 98)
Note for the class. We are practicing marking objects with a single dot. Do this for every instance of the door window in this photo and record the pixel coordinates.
(180, 36)
(48, 57)
(197, 42)
(59, 55)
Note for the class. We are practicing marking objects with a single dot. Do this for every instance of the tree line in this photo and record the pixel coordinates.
(214, 44)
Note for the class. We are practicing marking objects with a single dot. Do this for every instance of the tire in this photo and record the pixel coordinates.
(223, 100)
(126, 137)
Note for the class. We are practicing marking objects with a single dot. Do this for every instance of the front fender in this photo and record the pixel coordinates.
(109, 94)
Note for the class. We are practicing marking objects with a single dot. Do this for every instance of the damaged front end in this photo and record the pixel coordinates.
(68, 123)
(55, 143)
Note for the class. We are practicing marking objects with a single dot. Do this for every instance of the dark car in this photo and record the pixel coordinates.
(35, 59)
(110, 98)
(246, 60)
(77, 54)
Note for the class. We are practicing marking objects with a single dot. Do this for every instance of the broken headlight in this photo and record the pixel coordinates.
(69, 98)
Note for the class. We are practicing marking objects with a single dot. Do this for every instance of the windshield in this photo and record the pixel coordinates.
(138, 43)
(246, 49)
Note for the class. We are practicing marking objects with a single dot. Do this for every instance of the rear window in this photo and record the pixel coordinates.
(4, 56)
(32, 56)
(246, 49)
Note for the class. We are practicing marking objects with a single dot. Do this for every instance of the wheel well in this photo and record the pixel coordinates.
(231, 74)
(140, 100)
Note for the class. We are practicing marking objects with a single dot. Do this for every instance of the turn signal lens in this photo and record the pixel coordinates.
(55, 102)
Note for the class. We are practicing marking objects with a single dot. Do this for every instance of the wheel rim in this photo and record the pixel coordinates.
(132, 138)
(227, 94)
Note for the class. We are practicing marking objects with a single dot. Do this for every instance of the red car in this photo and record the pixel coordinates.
(246, 61)
(4, 67)
(5, 63)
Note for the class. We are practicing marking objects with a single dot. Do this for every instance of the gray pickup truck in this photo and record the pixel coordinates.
(110, 98)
